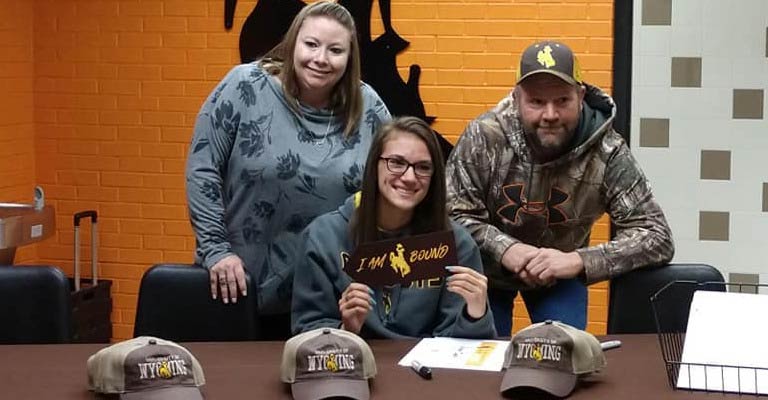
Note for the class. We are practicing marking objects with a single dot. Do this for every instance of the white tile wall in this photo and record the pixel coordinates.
(687, 12)
(711, 195)
(729, 36)
(654, 71)
(698, 102)
(763, 280)
(717, 72)
(748, 173)
(687, 40)
(685, 221)
(654, 42)
(650, 101)
(748, 74)
(699, 133)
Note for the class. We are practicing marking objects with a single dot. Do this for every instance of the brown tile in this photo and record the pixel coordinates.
(715, 164)
(765, 197)
(748, 103)
(713, 225)
(686, 71)
(657, 12)
(654, 132)
(750, 282)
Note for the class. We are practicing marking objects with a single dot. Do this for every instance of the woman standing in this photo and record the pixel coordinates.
(403, 194)
(278, 142)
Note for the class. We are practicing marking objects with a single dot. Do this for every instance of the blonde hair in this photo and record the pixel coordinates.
(346, 97)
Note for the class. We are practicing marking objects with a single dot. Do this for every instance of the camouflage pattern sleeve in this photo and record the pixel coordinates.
(474, 162)
(214, 135)
(642, 237)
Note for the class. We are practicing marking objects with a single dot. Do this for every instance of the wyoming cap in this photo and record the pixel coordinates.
(552, 58)
(327, 362)
(551, 356)
(146, 368)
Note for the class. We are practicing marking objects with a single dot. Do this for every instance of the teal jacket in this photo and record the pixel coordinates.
(423, 309)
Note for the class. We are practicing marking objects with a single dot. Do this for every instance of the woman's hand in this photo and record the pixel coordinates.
(227, 275)
(354, 305)
(472, 286)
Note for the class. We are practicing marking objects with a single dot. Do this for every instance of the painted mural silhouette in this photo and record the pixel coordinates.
(270, 19)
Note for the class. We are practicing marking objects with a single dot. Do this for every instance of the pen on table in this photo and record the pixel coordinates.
(423, 371)
(611, 344)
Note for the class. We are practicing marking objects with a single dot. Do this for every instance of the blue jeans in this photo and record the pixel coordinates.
(566, 302)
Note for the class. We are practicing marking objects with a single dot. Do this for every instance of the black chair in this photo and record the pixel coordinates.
(629, 305)
(35, 305)
(175, 304)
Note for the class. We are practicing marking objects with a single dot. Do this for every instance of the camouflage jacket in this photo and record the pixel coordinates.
(502, 197)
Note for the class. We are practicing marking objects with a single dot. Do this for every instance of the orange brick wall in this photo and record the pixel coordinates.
(17, 166)
(117, 85)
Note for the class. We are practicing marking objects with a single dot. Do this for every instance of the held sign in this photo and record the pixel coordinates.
(402, 260)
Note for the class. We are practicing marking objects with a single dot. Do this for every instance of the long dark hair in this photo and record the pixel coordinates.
(346, 97)
(430, 214)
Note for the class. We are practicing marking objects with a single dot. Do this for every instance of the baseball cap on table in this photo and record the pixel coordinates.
(327, 362)
(551, 356)
(552, 58)
(146, 368)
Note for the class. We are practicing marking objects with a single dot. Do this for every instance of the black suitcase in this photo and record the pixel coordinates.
(91, 301)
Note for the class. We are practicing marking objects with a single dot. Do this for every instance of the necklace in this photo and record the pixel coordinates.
(327, 129)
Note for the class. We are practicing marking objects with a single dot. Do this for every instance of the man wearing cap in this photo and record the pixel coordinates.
(529, 178)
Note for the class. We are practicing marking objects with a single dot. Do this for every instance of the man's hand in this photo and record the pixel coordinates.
(354, 305)
(552, 264)
(517, 257)
(472, 286)
(226, 276)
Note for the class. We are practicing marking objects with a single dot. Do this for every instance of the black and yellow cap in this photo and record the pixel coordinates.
(550, 57)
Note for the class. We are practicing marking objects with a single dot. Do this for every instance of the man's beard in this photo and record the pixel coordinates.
(550, 151)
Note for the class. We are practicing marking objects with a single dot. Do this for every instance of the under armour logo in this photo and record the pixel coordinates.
(517, 203)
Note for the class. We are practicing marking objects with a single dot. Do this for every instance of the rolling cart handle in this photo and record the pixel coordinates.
(94, 237)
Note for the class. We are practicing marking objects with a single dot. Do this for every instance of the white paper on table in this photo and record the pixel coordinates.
(442, 352)
(726, 329)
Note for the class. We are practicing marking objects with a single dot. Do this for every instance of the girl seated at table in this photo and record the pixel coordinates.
(403, 194)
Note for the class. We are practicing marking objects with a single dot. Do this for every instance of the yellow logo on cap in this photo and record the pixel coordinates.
(164, 371)
(576, 69)
(536, 352)
(544, 57)
(330, 363)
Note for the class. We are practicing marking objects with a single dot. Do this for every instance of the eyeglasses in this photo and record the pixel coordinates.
(398, 166)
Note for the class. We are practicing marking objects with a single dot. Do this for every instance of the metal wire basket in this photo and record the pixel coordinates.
(670, 306)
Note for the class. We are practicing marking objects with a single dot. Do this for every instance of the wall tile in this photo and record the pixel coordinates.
(749, 72)
(687, 40)
(714, 225)
(686, 71)
(657, 12)
(654, 132)
(748, 279)
(748, 103)
(687, 12)
(653, 41)
(717, 72)
(715, 164)
(765, 197)
(653, 71)
(706, 102)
